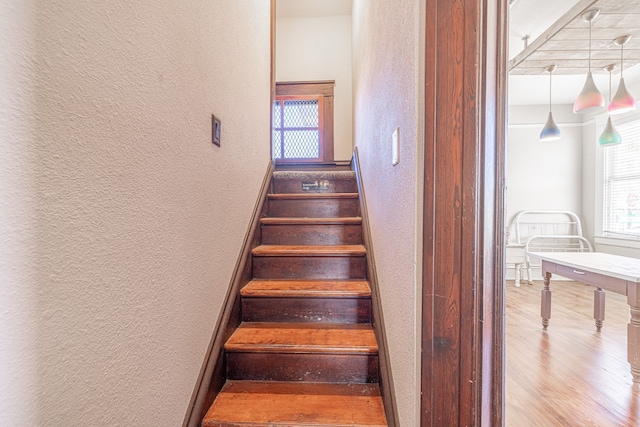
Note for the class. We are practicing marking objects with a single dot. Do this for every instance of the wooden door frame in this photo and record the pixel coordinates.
(272, 20)
(462, 380)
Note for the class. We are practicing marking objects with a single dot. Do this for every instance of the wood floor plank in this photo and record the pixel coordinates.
(307, 288)
(296, 404)
(569, 375)
(303, 338)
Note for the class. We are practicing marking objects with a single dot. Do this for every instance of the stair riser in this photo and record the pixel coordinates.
(334, 186)
(302, 367)
(326, 234)
(307, 310)
(301, 267)
(315, 208)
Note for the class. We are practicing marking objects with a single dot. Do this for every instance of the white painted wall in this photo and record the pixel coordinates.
(543, 175)
(120, 222)
(387, 69)
(319, 48)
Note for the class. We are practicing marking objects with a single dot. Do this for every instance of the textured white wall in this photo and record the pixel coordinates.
(387, 62)
(320, 49)
(120, 222)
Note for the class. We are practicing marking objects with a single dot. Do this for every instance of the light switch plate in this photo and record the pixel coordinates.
(395, 147)
(216, 128)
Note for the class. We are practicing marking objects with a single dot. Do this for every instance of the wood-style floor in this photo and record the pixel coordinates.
(570, 375)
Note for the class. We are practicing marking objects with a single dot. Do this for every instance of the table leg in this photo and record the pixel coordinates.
(633, 330)
(598, 308)
(545, 307)
(633, 343)
(518, 274)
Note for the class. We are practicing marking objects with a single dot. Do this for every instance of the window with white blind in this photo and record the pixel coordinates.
(621, 190)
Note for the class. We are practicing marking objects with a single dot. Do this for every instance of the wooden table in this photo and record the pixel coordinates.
(606, 272)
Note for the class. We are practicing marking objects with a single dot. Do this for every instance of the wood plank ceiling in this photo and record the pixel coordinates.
(566, 43)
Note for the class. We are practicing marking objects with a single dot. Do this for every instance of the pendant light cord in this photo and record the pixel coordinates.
(590, 44)
(610, 86)
(621, 59)
(550, 72)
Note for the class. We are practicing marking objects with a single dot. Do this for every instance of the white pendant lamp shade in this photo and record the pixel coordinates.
(550, 131)
(622, 101)
(610, 135)
(590, 99)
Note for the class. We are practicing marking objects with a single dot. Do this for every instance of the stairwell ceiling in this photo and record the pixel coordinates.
(312, 8)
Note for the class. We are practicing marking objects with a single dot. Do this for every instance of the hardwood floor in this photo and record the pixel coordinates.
(570, 375)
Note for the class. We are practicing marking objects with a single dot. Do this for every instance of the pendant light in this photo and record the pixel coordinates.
(623, 101)
(590, 99)
(550, 131)
(610, 135)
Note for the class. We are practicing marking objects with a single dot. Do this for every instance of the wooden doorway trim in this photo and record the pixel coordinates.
(273, 76)
(463, 258)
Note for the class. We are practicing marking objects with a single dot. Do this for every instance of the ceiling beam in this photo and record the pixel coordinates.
(561, 23)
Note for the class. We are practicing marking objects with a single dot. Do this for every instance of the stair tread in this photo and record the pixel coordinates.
(314, 174)
(303, 338)
(308, 250)
(307, 288)
(306, 196)
(266, 403)
(304, 221)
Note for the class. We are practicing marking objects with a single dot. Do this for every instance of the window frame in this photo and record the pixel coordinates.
(323, 91)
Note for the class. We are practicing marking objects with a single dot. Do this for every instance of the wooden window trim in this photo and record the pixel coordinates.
(323, 89)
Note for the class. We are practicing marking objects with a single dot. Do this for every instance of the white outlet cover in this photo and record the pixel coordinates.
(395, 147)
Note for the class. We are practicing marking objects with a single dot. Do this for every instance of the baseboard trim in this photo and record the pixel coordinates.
(386, 379)
(212, 376)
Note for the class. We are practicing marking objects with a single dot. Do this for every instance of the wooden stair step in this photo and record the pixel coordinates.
(309, 267)
(309, 251)
(310, 221)
(307, 288)
(311, 231)
(311, 196)
(308, 352)
(317, 174)
(314, 181)
(323, 301)
(313, 205)
(259, 404)
(303, 338)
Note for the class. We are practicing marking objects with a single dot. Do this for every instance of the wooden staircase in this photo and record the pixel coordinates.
(305, 353)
